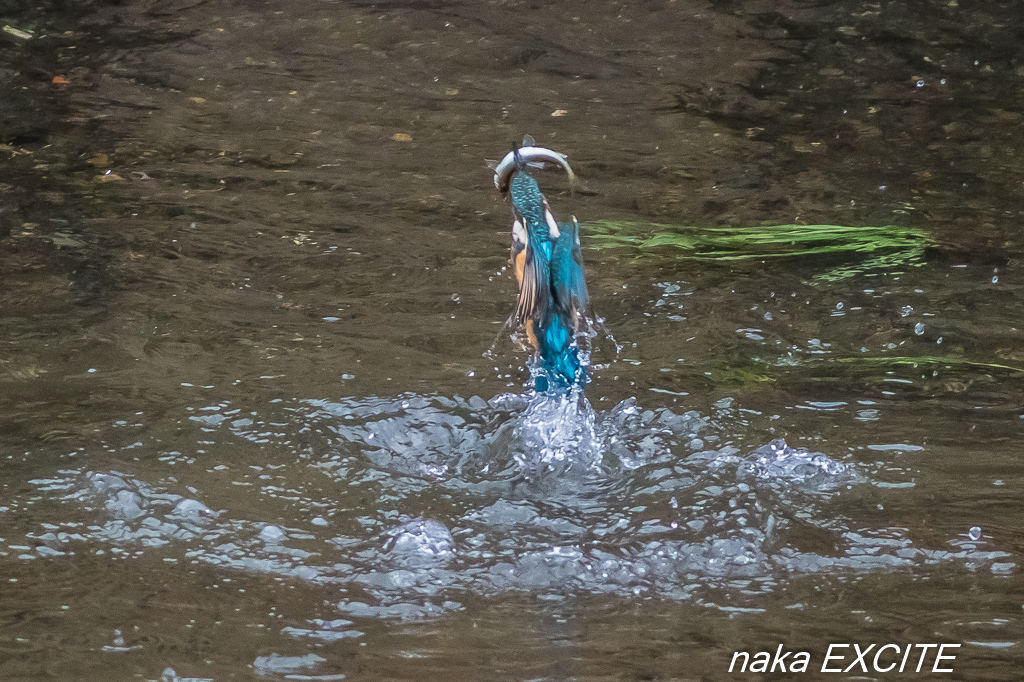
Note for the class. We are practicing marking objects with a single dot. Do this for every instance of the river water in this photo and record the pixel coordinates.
(259, 418)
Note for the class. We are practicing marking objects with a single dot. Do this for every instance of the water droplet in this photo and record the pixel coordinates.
(919, 328)
(938, 340)
(768, 317)
(456, 298)
(906, 310)
(471, 373)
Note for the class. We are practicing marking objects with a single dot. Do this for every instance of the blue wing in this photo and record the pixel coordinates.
(568, 283)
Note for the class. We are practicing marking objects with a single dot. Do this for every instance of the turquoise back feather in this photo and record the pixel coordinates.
(528, 200)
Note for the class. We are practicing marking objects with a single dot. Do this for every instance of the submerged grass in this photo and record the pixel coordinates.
(950, 362)
(884, 362)
(874, 248)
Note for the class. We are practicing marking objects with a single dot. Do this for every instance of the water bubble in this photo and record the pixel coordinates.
(919, 328)
(920, 83)
(839, 306)
(942, 81)
(170, 674)
(348, 376)
(272, 534)
(193, 508)
(405, 404)
(974, 533)
(768, 317)
(938, 340)
(456, 298)
(995, 280)
(275, 664)
(906, 310)
(421, 542)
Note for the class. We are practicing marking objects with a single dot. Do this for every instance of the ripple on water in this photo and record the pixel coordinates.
(544, 494)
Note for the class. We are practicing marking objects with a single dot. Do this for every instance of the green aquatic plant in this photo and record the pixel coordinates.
(883, 362)
(738, 376)
(947, 361)
(873, 248)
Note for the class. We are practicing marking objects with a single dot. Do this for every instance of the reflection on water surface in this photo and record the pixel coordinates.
(250, 260)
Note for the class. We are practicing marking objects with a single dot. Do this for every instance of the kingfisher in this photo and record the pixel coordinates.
(552, 304)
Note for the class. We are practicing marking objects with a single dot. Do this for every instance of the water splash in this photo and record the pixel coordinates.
(410, 503)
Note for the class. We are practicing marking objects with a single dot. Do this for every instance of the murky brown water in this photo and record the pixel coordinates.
(251, 260)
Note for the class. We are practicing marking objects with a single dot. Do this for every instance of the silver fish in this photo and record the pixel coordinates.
(530, 155)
